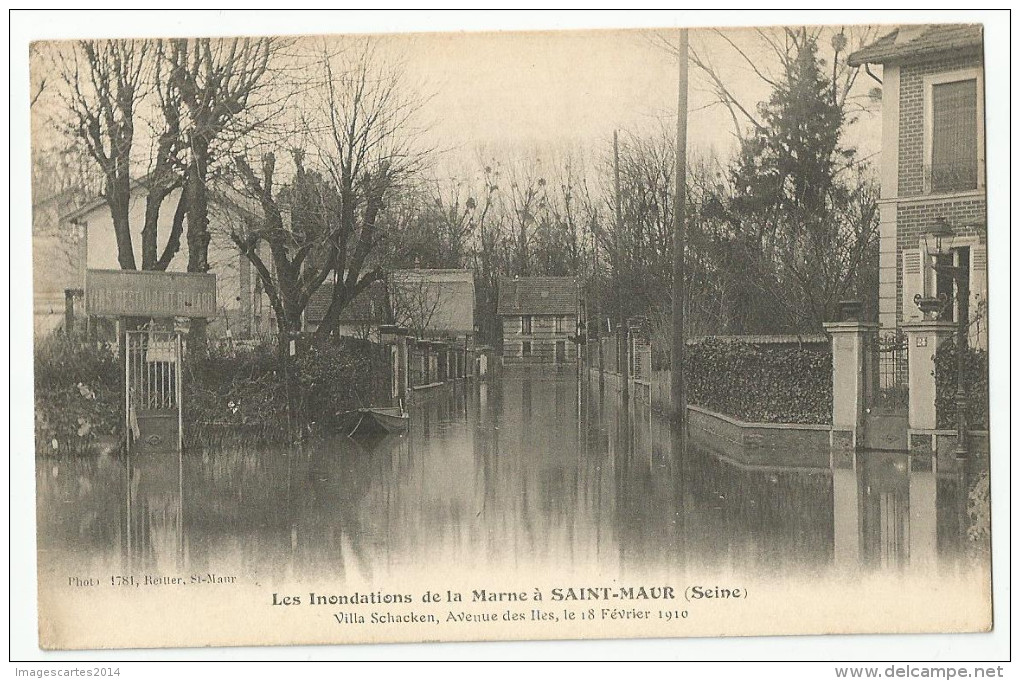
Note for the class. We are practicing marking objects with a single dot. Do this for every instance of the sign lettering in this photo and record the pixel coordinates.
(128, 293)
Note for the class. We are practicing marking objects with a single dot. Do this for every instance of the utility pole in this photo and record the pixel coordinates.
(678, 396)
(598, 313)
(622, 356)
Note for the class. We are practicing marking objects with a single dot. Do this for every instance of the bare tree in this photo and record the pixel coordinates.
(415, 300)
(116, 93)
(297, 225)
(329, 221)
(219, 83)
(370, 151)
(104, 87)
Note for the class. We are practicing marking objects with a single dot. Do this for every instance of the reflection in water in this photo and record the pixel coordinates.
(505, 474)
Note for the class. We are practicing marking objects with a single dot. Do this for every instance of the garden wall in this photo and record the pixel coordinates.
(976, 375)
(765, 379)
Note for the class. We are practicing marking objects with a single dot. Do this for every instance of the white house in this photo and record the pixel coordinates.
(242, 306)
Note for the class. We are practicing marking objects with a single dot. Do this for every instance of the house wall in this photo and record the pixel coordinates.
(57, 256)
(908, 210)
(440, 301)
(543, 338)
(235, 302)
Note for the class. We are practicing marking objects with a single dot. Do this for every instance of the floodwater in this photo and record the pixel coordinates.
(503, 474)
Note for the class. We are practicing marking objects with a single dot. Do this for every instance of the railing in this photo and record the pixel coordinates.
(956, 176)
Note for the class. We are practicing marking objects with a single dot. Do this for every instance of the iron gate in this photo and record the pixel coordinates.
(889, 362)
(152, 377)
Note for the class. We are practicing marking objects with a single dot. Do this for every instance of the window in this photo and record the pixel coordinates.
(560, 323)
(954, 135)
(946, 285)
(526, 349)
(526, 324)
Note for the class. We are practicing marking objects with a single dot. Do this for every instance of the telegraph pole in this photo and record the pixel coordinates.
(599, 326)
(678, 396)
(622, 354)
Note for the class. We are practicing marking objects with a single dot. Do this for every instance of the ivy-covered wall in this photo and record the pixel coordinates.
(975, 369)
(764, 382)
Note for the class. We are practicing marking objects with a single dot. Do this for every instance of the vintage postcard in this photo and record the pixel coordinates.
(413, 337)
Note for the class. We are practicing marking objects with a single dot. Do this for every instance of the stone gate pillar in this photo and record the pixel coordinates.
(851, 378)
(923, 338)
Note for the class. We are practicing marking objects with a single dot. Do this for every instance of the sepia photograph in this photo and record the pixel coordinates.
(425, 335)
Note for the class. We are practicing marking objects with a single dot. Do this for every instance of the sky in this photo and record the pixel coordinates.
(539, 92)
(563, 87)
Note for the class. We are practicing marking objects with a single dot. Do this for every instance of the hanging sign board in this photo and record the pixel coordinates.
(130, 293)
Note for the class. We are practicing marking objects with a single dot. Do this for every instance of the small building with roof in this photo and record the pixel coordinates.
(432, 304)
(539, 319)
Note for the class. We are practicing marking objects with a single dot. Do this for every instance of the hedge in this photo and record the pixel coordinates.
(975, 370)
(228, 393)
(79, 395)
(249, 389)
(764, 382)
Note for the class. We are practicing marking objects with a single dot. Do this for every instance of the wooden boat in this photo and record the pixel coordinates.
(374, 420)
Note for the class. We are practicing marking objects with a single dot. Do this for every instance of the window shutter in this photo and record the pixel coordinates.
(978, 295)
(954, 136)
(913, 283)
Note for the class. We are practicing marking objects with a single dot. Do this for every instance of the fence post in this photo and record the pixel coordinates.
(923, 339)
(849, 379)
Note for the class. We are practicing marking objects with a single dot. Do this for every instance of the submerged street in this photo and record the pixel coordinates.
(502, 475)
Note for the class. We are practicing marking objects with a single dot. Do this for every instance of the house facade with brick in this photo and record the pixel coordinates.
(932, 170)
(539, 318)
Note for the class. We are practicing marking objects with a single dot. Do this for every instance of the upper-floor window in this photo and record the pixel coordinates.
(561, 323)
(954, 134)
(526, 324)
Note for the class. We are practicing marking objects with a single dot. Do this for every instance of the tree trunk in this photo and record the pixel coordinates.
(198, 227)
(119, 197)
(331, 320)
(198, 210)
(291, 385)
(150, 228)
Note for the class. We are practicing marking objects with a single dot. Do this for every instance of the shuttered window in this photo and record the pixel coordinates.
(954, 144)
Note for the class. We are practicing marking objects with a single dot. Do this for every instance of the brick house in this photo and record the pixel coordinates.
(932, 169)
(539, 318)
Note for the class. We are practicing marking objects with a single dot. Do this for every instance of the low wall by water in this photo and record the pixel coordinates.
(942, 443)
(761, 443)
(787, 444)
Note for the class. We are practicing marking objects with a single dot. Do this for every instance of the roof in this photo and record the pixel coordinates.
(537, 295)
(225, 196)
(368, 307)
(913, 41)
